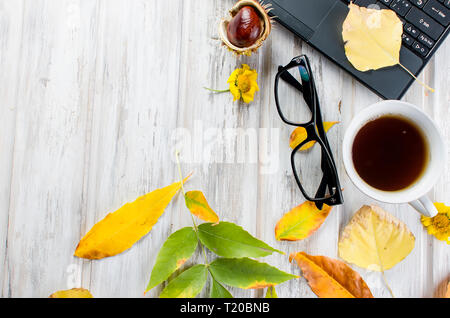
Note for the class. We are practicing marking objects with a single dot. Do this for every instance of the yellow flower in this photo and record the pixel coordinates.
(243, 84)
(439, 226)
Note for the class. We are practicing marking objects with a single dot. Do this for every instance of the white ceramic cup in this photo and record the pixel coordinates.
(416, 195)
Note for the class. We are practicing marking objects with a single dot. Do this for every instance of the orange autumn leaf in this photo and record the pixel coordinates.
(329, 278)
(299, 135)
(120, 230)
(301, 222)
(198, 205)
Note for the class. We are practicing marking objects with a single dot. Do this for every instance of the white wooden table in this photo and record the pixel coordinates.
(91, 95)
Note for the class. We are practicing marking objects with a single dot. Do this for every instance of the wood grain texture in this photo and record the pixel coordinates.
(96, 96)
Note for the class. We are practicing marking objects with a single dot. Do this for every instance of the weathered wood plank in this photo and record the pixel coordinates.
(47, 175)
(97, 96)
(11, 34)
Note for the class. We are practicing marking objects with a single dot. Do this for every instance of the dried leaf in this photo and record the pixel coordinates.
(375, 240)
(72, 293)
(439, 226)
(271, 292)
(178, 248)
(329, 278)
(198, 205)
(232, 241)
(188, 285)
(373, 38)
(301, 222)
(218, 291)
(246, 273)
(120, 230)
(299, 135)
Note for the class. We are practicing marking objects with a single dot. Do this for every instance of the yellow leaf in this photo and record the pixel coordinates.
(375, 240)
(439, 226)
(301, 222)
(299, 135)
(120, 230)
(329, 278)
(198, 205)
(72, 293)
(373, 38)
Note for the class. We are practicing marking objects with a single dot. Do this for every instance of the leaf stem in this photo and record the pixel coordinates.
(177, 154)
(418, 80)
(387, 285)
(216, 90)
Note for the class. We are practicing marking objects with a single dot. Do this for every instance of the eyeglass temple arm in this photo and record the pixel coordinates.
(288, 78)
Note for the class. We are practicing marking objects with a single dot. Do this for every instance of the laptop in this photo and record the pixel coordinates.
(319, 23)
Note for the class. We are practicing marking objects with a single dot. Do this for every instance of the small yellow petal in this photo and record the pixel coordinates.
(235, 92)
(233, 77)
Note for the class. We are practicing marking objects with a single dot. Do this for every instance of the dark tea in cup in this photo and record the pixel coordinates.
(390, 153)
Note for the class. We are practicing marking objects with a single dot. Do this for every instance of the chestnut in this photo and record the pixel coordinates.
(245, 28)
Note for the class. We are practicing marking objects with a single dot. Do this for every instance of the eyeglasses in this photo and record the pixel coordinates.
(315, 169)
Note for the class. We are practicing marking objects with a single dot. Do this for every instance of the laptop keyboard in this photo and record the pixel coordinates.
(424, 21)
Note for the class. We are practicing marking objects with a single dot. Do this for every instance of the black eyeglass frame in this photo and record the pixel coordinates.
(315, 132)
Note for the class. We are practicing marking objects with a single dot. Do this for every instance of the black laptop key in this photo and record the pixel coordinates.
(365, 3)
(425, 39)
(411, 30)
(407, 39)
(419, 3)
(401, 7)
(447, 3)
(419, 48)
(382, 6)
(425, 23)
(386, 2)
(438, 12)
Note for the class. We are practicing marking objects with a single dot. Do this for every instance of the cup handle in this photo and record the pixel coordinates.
(425, 206)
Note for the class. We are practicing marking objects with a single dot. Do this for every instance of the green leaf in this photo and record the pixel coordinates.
(218, 291)
(232, 241)
(188, 285)
(246, 273)
(271, 292)
(178, 248)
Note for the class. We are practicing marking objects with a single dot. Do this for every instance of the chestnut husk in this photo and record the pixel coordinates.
(262, 11)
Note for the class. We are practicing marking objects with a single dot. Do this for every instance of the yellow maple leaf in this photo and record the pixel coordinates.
(120, 230)
(375, 240)
(72, 293)
(299, 135)
(439, 226)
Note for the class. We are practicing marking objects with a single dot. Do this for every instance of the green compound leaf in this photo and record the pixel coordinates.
(232, 241)
(271, 292)
(178, 248)
(246, 273)
(188, 285)
(218, 291)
